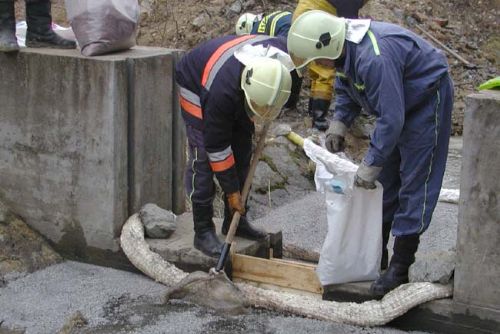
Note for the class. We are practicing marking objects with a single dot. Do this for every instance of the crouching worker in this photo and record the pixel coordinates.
(403, 80)
(221, 97)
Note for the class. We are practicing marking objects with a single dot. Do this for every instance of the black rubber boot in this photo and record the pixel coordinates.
(8, 40)
(40, 33)
(318, 109)
(386, 231)
(205, 238)
(405, 248)
(245, 229)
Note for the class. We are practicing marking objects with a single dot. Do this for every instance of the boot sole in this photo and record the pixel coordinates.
(37, 45)
(9, 50)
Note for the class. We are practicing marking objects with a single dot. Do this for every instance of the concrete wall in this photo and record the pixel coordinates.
(477, 274)
(84, 142)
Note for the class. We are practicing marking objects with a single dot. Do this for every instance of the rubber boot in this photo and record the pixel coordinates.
(405, 248)
(318, 109)
(205, 238)
(386, 231)
(8, 40)
(40, 33)
(245, 229)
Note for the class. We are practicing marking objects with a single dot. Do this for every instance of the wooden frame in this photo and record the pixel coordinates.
(279, 272)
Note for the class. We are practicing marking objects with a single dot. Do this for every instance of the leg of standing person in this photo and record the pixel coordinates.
(200, 189)
(424, 150)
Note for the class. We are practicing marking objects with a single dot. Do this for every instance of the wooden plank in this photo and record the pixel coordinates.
(296, 263)
(276, 272)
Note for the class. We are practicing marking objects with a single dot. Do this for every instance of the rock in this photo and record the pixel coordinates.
(236, 7)
(216, 292)
(146, 6)
(436, 267)
(158, 223)
(265, 177)
(201, 20)
(249, 4)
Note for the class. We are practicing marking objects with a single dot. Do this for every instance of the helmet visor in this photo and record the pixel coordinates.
(299, 62)
(265, 113)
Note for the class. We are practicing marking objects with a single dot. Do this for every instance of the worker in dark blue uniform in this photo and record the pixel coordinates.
(220, 99)
(275, 24)
(391, 73)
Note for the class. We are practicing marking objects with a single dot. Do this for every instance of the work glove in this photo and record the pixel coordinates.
(366, 176)
(335, 135)
(235, 203)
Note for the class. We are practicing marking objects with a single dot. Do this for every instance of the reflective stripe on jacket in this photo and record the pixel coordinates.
(274, 24)
(212, 100)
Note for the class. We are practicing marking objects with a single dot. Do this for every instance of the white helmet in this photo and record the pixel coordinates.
(316, 34)
(245, 23)
(267, 85)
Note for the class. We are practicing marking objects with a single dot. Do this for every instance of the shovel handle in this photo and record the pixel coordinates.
(244, 194)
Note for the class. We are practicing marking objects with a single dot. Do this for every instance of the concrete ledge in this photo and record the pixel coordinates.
(84, 142)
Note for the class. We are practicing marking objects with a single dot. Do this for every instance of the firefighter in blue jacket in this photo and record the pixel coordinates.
(392, 73)
(275, 24)
(220, 99)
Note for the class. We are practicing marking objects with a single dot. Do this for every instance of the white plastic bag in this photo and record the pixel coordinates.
(103, 26)
(353, 245)
(352, 249)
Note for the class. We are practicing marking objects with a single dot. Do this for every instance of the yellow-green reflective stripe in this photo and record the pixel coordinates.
(436, 124)
(341, 75)
(359, 86)
(275, 21)
(194, 173)
(263, 27)
(374, 42)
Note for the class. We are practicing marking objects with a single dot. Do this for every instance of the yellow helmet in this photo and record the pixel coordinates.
(245, 23)
(316, 34)
(267, 85)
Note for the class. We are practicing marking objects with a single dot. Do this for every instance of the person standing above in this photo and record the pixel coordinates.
(39, 33)
(322, 77)
(220, 98)
(392, 73)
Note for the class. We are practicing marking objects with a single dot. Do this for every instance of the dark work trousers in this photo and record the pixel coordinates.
(413, 174)
(199, 182)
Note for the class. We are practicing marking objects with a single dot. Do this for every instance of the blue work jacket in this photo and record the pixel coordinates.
(389, 74)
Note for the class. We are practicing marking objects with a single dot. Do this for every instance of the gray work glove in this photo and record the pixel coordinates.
(366, 176)
(335, 134)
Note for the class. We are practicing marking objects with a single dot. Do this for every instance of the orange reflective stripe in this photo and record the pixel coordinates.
(190, 108)
(220, 166)
(219, 52)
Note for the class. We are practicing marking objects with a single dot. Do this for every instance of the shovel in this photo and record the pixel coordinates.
(214, 289)
(244, 194)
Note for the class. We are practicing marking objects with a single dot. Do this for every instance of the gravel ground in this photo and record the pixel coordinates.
(114, 301)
